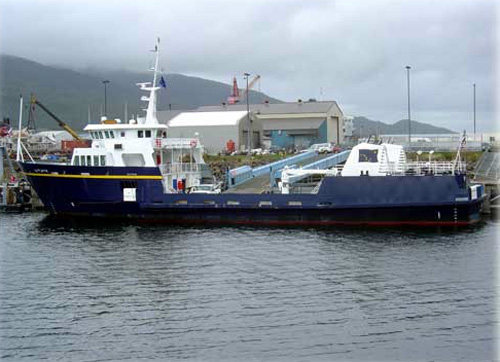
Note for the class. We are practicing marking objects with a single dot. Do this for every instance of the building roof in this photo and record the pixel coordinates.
(165, 116)
(200, 119)
(275, 108)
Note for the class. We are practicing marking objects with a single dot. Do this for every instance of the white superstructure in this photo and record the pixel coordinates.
(144, 142)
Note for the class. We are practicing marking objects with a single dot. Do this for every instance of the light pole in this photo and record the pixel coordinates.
(105, 82)
(409, 114)
(474, 111)
(249, 135)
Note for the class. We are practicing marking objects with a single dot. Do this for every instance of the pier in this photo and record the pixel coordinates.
(487, 172)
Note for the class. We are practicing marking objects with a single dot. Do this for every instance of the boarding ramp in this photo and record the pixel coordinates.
(487, 169)
(242, 175)
(322, 164)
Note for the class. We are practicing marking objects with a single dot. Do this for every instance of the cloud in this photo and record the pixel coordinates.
(353, 51)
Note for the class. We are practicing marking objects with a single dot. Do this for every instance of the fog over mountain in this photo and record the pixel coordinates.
(351, 51)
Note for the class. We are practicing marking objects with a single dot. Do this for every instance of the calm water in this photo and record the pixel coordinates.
(121, 292)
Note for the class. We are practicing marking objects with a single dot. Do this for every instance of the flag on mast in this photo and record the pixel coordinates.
(162, 82)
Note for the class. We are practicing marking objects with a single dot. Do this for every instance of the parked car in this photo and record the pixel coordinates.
(205, 189)
(324, 148)
(321, 148)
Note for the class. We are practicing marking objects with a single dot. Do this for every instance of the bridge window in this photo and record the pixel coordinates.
(103, 160)
(122, 134)
(96, 160)
(140, 134)
(112, 134)
(148, 133)
(368, 155)
(76, 161)
(89, 160)
(82, 160)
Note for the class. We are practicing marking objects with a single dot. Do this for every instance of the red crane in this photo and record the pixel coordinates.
(235, 93)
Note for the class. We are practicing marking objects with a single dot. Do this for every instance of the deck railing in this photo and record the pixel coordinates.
(179, 168)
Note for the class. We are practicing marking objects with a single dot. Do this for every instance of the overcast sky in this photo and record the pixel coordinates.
(351, 51)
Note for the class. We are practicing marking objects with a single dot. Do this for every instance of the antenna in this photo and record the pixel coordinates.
(19, 155)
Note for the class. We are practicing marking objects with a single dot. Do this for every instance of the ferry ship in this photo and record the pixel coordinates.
(135, 171)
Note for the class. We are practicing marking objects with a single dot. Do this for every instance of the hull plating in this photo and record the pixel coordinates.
(98, 192)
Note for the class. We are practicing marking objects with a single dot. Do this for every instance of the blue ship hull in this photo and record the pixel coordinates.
(390, 200)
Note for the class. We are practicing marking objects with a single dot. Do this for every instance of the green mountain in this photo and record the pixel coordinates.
(365, 127)
(69, 94)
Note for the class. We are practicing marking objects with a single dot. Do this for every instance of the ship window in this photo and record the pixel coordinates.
(148, 133)
(103, 160)
(265, 203)
(106, 134)
(82, 160)
(112, 134)
(133, 159)
(368, 155)
(76, 161)
(140, 134)
(122, 134)
(100, 135)
(89, 160)
(96, 160)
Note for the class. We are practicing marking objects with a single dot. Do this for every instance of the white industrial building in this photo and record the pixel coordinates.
(294, 124)
(215, 129)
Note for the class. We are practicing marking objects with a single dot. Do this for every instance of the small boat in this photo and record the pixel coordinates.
(134, 171)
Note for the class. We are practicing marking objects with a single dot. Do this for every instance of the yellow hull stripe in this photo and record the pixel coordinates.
(108, 177)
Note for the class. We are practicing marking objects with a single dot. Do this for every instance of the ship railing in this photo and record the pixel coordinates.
(179, 168)
(175, 143)
(429, 168)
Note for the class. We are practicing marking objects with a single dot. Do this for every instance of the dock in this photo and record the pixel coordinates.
(487, 173)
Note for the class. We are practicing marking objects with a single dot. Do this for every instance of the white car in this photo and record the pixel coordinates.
(322, 148)
(205, 189)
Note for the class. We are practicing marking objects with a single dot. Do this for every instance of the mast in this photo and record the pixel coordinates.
(19, 156)
(151, 109)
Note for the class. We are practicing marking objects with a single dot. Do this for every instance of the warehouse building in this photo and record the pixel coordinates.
(214, 129)
(294, 124)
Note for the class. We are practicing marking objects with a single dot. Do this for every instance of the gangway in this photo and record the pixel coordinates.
(243, 174)
(488, 167)
(323, 164)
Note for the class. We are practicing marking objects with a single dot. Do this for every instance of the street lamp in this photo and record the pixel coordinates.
(249, 135)
(474, 111)
(409, 114)
(105, 82)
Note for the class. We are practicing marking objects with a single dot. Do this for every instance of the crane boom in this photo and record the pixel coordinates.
(61, 123)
